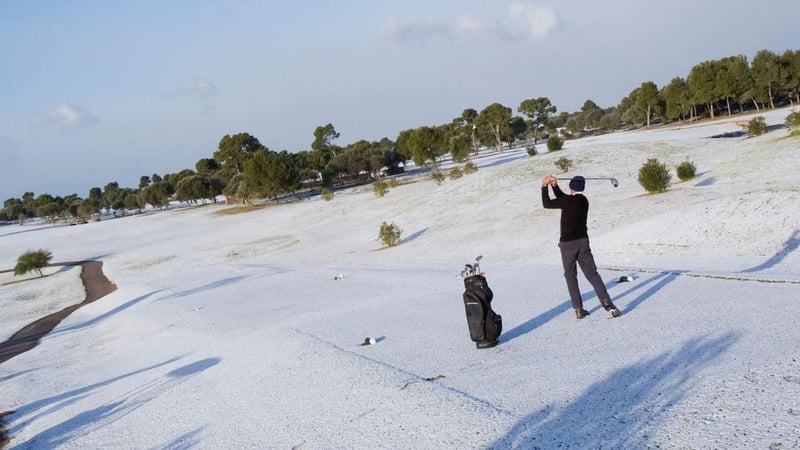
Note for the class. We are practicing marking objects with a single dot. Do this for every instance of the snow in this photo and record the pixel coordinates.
(244, 330)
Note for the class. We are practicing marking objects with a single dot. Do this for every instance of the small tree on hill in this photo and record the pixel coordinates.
(33, 260)
(554, 143)
(654, 176)
(793, 122)
(757, 126)
(389, 234)
(686, 170)
(563, 163)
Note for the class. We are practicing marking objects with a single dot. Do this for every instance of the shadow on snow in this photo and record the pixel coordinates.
(623, 410)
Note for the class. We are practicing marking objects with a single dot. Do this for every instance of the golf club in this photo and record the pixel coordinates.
(613, 180)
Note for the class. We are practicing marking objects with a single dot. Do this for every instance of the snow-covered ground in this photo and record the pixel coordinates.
(236, 331)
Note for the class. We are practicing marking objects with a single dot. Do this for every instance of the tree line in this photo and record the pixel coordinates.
(243, 170)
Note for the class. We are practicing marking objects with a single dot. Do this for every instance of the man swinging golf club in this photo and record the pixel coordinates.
(574, 242)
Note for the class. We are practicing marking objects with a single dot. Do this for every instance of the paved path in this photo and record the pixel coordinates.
(96, 285)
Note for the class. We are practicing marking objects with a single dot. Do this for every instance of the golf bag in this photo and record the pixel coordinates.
(484, 324)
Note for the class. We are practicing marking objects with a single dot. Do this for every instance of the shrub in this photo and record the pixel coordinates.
(456, 173)
(686, 170)
(757, 126)
(389, 234)
(326, 194)
(563, 163)
(438, 177)
(379, 188)
(32, 260)
(654, 176)
(554, 143)
(531, 150)
(470, 168)
(793, 122)
(393, 183)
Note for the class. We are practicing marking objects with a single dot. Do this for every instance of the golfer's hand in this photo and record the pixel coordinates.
(546, 181)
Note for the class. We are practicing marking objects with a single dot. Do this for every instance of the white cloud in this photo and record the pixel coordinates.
(415, 32)
(468, 23)
(194, 88)
(66, 117)
(534, 21)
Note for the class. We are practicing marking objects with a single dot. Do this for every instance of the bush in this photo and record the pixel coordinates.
(32, 260)
(563, 163)
(438, 177)
(379, 188)
(531, 150)
(654, 176)
(686, 170)
(326, 194)
(393, 183)
(455, 173)
(389, 234)
(757, 126)
(793, 122)
(554, 143)
(470, 168)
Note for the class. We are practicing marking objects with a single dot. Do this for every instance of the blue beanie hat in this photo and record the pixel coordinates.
(577, 183)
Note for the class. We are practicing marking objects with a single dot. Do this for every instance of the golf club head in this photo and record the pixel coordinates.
(614, 182)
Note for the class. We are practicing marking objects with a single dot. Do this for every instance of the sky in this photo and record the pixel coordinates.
(95, 92)
(244, 330)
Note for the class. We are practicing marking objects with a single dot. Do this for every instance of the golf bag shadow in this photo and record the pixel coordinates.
(484, 324)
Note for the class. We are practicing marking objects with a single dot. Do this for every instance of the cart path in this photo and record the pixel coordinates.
(96, 284)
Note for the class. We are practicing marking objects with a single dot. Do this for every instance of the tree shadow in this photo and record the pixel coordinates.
(789, 246)
(59, 401)
(413, 236)
(622, 410)
(205, 287)
(95, 418)
(106, 314)
(707, 182)
(186, 441)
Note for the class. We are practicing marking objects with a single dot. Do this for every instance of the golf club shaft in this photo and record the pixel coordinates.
(611, 179)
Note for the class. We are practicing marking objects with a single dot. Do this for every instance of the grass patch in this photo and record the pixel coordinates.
(240, 209)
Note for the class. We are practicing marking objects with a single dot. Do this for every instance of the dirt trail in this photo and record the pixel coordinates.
(96, 285)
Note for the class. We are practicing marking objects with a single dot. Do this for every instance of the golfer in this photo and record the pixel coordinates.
(574, 242)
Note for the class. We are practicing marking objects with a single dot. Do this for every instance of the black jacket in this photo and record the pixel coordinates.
(574, 211)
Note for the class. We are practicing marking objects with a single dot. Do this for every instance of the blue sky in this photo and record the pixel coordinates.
(99, 91)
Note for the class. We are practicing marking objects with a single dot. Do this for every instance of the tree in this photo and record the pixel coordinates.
(702, 84)
(233, 151)
(791, 82)
(676, 99)
(538, 111)
(144, 181)
(495, 119)
(132, 202)
(590, 114)
(468, 117)
(423, 144)
(207, 166)
(733, 79)
(766, 69)
(270, 174)
(33, 260)
(647, 101)
(323, 150)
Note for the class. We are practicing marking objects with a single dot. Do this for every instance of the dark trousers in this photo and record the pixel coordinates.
(577, 253)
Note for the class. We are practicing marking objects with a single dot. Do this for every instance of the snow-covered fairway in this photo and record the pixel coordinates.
(233, 331)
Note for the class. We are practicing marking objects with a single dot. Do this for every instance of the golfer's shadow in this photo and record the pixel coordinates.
(658, 281)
